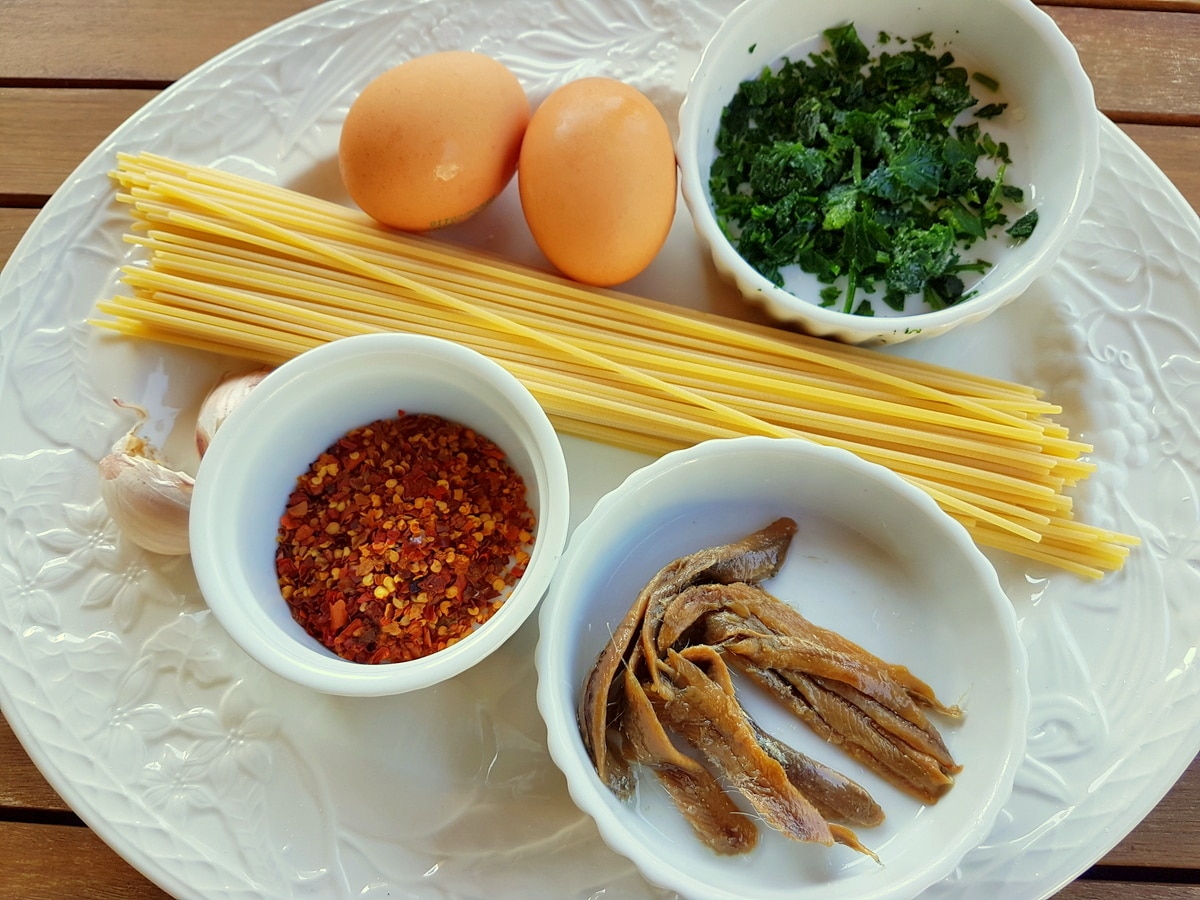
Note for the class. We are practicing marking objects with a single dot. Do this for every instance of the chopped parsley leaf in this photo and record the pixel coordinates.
(986, 80)
(1023, 227)
(852, 167)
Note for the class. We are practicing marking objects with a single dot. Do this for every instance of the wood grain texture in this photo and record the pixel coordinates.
(13, 224)
(1124, 890)
(1142, 64)
(1150, 5)
(55, 862)
(22, 786)
(143, 41)
(47, 133)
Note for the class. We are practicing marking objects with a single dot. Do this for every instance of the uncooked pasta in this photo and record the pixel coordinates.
(240, 267)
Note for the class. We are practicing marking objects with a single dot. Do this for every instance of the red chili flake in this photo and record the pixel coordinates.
(401, 538)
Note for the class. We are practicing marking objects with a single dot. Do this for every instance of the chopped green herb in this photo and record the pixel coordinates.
(986, 80)
(1023, 227)
(852, 167)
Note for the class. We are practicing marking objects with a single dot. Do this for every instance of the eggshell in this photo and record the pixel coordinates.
(597, 180)
(433, 140)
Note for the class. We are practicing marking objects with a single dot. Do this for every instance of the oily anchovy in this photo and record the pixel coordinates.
(705, 612)
(701, 706)
(756, 556)
(754, 604)
(696, 792)
(837, 722)
(703, 713)
(835, 796)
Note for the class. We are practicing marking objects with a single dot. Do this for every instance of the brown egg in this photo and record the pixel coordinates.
(433, 140)
(597, 180)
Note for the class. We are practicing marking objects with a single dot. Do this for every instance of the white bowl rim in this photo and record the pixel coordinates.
(331, 674)
(864, 329)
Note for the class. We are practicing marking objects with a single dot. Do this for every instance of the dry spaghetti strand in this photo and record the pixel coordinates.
(236, 266)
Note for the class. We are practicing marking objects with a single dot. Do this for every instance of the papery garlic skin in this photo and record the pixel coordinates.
(225, 396)
(149, 501)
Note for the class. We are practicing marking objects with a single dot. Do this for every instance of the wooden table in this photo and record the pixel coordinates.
(73, 70)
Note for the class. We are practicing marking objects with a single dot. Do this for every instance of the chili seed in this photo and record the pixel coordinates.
(429, 525)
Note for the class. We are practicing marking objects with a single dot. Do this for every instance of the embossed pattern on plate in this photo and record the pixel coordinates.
(218, 780)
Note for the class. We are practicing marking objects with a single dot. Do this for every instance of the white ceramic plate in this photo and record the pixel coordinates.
(217, 779)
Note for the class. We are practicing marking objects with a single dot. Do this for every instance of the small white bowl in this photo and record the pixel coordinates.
(873, 558)
(300, 409)
(1051, 124)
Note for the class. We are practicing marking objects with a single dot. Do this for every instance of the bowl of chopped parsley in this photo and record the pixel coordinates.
(878, 171)
(379, 515)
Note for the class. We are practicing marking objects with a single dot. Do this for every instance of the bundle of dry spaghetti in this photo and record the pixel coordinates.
(240, 267)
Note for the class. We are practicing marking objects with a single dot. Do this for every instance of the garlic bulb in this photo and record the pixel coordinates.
(148, 500)
(221, 401)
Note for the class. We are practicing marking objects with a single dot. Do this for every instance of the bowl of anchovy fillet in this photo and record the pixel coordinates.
(770, 669)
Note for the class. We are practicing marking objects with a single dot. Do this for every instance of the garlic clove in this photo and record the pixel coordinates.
(149, 501)
(224, 397)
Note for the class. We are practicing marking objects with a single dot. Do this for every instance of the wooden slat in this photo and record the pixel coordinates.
(47, 133)
(1124, 890)
(1142, 64)
(13, 224)
(138, 40)
(53, 862)
(58, 40)
(21, 784)
(1150, 5)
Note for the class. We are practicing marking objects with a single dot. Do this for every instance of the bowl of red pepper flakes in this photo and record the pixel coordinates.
(380, 514)
(402, 538)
